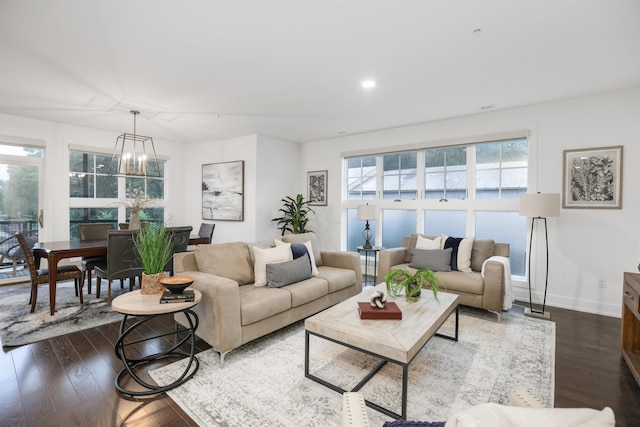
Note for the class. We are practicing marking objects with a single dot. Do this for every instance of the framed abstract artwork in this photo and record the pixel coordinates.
(317, 188)
(223, 191)
(593, 178)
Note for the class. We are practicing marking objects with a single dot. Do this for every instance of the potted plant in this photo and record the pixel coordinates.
(400, 280)
(294, 217)
(153, 244)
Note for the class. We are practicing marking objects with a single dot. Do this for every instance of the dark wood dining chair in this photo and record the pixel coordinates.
(206, 231)
(92, 231)
(41, 276)
(123, 261)
(179, 243)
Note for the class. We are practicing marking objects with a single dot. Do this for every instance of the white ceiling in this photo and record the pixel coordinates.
(209, 70)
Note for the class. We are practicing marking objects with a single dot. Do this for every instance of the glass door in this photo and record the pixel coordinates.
(19, 211)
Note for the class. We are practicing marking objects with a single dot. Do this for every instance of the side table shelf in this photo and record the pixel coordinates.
(631, 323)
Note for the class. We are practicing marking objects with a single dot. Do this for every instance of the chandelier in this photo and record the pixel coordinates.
(134, 155)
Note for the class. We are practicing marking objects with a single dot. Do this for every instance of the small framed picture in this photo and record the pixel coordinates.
(317, 188)
(593, 178)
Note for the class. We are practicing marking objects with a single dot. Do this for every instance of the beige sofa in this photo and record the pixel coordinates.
(475, 290)
(233, 311)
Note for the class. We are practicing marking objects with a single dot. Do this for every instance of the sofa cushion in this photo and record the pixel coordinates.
(461, 254)
(425, 243)
(263, 257)
(260, 302)
(338, 278)
(288, 272)
(433, 259)
(230, 260)
(307, 290)
(483, 249)
(472, 283)
(295, 252)
(413, 240)
(306, 237)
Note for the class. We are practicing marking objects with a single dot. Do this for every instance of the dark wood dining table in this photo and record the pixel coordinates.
(194, 239)
(55, 251)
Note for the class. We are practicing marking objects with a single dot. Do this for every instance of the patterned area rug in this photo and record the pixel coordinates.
(262, 383)
(19, 327)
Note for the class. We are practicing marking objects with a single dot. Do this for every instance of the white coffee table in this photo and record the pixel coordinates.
(145, 308)
(396, 341)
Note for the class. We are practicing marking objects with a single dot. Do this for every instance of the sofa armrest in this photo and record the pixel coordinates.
(388, 258)
(346, 260)
(184, 261)
(218, 311)
(493, 296)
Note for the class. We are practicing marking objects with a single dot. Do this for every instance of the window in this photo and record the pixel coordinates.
(361, 177)
(87, 177)
(96, 196)
(399, 176)
(463, 190)
(445, 173)
(501, 169)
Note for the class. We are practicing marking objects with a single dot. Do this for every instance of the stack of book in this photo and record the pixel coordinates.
(185, 296)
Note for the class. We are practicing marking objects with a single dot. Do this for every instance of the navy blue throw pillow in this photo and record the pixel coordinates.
(298, 250)
(453, 243)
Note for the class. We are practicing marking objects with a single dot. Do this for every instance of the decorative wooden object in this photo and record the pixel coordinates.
(631, 323)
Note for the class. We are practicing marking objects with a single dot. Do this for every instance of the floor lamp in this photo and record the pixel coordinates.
(539, 206)
(365, 213)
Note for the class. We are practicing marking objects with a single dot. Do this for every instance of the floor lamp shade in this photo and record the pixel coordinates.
(539, 206)
(365, 213)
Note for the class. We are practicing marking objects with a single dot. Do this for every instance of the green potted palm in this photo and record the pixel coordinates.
(153, 244)
(295, 215)
(401, 281)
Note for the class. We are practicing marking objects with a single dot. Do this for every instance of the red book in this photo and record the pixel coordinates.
(389, 311)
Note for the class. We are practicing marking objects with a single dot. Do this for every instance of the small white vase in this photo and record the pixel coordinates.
(134, 221)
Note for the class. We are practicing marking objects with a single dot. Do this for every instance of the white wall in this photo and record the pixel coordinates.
(271, 168)
(585, 244)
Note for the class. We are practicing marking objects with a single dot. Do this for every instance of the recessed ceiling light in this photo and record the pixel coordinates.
(368, 84)
(477, 31)
(488, 107)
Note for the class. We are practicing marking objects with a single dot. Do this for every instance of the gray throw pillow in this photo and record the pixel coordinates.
(433, 259)
(285, 273)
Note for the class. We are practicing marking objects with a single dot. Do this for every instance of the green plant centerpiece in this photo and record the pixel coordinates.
(401, 281)
(153, 244)
(295, 215)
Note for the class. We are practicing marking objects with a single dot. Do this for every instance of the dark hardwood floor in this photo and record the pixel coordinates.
(69, 380)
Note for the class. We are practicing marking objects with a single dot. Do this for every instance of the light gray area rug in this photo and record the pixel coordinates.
(19, 327)
(263, 384)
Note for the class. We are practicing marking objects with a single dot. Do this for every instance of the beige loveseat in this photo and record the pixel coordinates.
(233, 311)
(475, 289)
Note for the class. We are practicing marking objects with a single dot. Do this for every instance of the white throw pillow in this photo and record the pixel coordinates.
(424, 243)
(314, 268)
(263, 257)
(464, 253)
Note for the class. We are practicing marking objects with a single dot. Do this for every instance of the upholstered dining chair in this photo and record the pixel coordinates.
(179, 243)
(123, 261)
(206, 231)
(92, 231)
(41, 276)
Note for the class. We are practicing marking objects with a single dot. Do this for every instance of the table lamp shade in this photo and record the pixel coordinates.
(366, 212)
(540, 205)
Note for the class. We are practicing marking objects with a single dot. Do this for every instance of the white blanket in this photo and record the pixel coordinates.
(508, 293)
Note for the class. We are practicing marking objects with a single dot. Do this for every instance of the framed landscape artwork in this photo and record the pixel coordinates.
(223, 191)
(593, 178)
(317, 188)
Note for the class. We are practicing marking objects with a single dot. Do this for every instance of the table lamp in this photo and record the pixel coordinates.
(365, 213)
